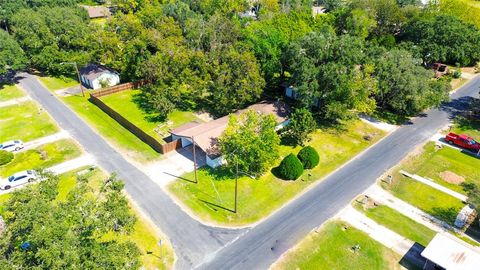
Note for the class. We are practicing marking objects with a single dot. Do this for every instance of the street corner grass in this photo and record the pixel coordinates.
(10, 91)
(426, 198)
(111, 130)
(397, 222)
(57, 83)
(433, 163)
(212, 199)
(146, 236)
(43, 156)
(125, 104)
(25, 121)
(332, 248)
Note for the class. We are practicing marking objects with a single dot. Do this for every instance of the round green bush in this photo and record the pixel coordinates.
(290, 168)
(5, 157)
(309, 157)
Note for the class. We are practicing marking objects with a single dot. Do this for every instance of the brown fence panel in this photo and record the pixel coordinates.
(171, 146)
(118, 88)
(152, 142)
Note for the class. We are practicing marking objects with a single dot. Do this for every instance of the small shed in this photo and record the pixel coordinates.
(439, 69)
(448, 252)
(97, 76)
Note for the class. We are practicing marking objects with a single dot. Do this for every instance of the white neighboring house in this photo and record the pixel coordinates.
(97, 76)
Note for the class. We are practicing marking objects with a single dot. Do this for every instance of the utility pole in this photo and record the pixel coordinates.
(236, 187)
(78, 75)
(194, 161)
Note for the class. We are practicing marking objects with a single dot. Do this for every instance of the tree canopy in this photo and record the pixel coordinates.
(444, 38)
(251, 141)
(46, 232)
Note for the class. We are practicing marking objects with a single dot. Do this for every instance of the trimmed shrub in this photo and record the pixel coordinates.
(290, 168)
(309, 157)
(456, 74)
(5, 157)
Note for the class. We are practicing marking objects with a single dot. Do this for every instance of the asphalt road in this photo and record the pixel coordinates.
(191, 240)
(199, 246)
(262, 245)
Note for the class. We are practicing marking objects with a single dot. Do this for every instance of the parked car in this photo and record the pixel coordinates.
(18, 179)
(12, 146)
(463, 141)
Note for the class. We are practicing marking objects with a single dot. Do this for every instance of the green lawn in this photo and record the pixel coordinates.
(10, 92)
(25, 121)
(432, 162)
(258, 198)
(398, 223)
(144, 234)
(43, 156)
(53, 83)
(111, 130)
(471, 127)
(123, 103)
(331, 248)
(426, 198)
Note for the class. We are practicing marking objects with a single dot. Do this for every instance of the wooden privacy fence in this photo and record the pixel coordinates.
(142, 135)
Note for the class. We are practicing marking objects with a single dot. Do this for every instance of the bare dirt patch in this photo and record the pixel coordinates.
(452, 178)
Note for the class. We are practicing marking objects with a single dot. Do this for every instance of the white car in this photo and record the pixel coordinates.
(18, 179)
(12, 146)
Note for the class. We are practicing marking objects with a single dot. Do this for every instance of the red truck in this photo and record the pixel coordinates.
(463, 141)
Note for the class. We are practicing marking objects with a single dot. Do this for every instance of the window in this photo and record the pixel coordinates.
(20, 178)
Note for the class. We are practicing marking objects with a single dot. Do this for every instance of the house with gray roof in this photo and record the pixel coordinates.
(97, 76)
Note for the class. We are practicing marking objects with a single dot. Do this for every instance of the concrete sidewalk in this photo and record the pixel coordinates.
(14, 101)
(436, 186)
(382, 196)
(399, 244)
(44, 140)
(378, 124)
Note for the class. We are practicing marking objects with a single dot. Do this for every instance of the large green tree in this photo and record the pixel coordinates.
(444, 38)
(11, 54)
(405, 87)
(301, 125)
(45, 232)
(50, 36)
(236, 81)
(327, 73)
(251, 140)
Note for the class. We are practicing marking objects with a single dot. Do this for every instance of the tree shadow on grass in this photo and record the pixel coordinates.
(474, 230)
(446, 214)
(213, 206)
(467, 123)
(413, 258)
(143, 102)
